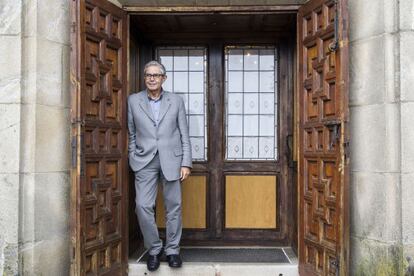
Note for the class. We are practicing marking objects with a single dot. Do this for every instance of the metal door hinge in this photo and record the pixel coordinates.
(74, 151)
(347, 150)
(73, 27)
(335, 264)
(333, 46)
(289, 150)
(335, 135)
(78, 121)
(82, 168)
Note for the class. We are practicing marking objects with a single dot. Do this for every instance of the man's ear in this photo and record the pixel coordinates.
(164, 78)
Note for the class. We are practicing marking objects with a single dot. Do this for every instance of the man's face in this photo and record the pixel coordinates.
(153, 78)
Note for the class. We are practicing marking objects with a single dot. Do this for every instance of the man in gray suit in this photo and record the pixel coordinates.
(159, 150)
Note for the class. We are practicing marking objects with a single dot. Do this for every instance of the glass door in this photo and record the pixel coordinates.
(232, 96)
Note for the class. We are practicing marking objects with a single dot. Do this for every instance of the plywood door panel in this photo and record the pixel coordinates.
(194, 199)
(99, 164)
(250, 202)
(323, 137)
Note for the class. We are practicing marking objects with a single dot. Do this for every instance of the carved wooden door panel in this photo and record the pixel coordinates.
(99, 153)
(323, 135)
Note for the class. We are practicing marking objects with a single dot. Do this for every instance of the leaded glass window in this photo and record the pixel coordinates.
(187, 76)
(251, 103)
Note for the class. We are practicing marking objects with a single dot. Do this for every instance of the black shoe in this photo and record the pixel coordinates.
(153, 261)
(174, 260)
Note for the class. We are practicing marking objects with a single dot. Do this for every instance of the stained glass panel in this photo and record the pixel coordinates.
(251, 103)
(187, 75)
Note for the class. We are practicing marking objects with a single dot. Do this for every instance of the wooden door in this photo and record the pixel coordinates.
(323, 137)
(238, 113)
(99, 152)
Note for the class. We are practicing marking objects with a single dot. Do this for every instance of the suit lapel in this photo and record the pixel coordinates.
(165, 105)
(144, 104)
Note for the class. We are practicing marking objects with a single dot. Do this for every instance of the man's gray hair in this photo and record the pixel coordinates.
(155, 63)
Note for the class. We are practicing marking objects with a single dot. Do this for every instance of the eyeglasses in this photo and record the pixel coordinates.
(155, 76)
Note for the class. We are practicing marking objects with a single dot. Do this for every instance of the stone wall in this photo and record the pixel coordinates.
(10, 124)
(406, 69)
(34, 135)
(382, 225)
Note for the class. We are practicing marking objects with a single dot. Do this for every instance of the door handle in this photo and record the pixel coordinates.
(289, 151)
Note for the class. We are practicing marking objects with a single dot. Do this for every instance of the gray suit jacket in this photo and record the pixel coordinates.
(170, 138)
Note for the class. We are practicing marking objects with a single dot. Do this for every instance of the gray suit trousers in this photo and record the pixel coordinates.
(146, 185)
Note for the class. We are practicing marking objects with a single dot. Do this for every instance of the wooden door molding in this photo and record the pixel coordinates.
(323, 137)
(98, 76)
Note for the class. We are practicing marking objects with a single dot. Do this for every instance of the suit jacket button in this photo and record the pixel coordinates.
(155, 125)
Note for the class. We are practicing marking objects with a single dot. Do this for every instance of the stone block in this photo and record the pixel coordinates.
(407, 137)
(52, 73)
(27, 210)
(406, 15)
(28, 138)
(371, 257)
(49, 257)
(29, 70)
(409, 257)
(367, 71)
(9, 186)
(52, 139)
(10, 69)
(407, 202)
(10, 89)
(375, 139)
(9, 258)
(53, 20)
(379, 192)
(30, 18)
(371, 18)
(9, 207)
(52, 205)
(9, 138)
(10, 17)
(407, 66)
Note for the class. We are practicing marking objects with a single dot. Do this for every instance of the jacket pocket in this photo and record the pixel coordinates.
(178, 151)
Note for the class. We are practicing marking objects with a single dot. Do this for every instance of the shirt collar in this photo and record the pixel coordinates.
(155, 100)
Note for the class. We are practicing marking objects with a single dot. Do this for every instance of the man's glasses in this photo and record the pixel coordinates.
(155, 76)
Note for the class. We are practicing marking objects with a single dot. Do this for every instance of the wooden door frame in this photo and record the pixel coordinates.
(285, 233)
(75, 82)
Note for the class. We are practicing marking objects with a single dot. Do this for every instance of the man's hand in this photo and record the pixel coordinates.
(184, 173)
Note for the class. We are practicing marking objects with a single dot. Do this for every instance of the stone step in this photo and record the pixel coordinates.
(201, 266)
(216, 269)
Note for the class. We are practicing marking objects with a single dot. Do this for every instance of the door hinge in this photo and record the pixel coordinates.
(333, 46)
(82, 168)
(74, 151)
(347, 150)
(335, 135)
(335, 264)
(73, 27)
(289, 151)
